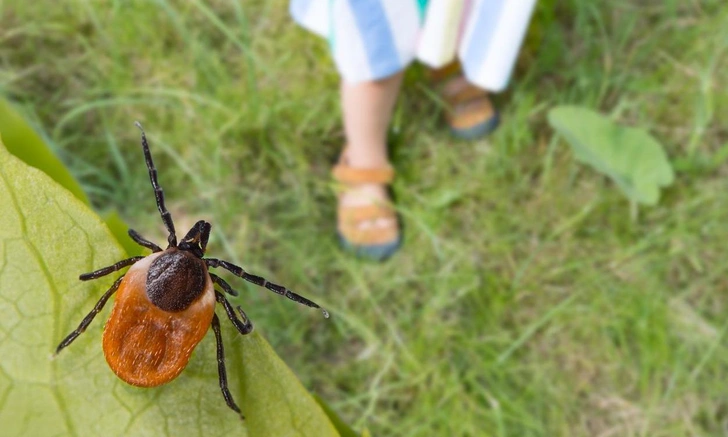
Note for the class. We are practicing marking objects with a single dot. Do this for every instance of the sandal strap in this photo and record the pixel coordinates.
(351, 217)
(444, 78)
(355, 214)
(351, 175)
(374, 236)
(463, 94)
(472, 113)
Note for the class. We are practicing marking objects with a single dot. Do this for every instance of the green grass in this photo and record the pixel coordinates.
(525, 301)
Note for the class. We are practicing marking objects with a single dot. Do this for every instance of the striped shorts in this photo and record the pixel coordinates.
(373, 39)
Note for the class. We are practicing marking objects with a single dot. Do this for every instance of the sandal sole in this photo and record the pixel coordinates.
(375, 252)
(479, 130)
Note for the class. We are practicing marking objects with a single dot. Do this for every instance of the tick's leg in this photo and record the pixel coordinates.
(111, 269)
(90, 316)
(158, 192)
(257, 280)
(225, 286)
(138, 239)
(221, 367)
(245, 326)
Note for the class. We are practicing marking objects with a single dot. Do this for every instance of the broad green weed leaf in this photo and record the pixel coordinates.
(631, 157)
(47, 238)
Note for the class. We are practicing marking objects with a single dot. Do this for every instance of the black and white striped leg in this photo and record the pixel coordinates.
(221, 368)
(223, 284)
(138, 239)
(90, 316)
(158, 192)
(111, 269)
(260, 281)
(244, 326)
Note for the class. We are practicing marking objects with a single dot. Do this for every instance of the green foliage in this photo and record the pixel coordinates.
(523, 303)
(631, 157)
(23, 141)
(343, 429)
(48, 237)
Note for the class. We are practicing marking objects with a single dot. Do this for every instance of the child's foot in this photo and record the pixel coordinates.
(367, 222)
(471, 114)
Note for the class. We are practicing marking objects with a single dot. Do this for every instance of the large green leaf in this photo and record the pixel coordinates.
(631, 157)
(48, 237)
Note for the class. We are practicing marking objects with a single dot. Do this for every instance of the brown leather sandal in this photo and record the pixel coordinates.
(378, 242)
(471, 114)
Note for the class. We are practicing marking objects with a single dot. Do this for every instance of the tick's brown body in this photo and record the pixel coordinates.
(145, 345)
(166, 303)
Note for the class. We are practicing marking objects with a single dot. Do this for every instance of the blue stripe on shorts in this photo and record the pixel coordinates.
(380, 48)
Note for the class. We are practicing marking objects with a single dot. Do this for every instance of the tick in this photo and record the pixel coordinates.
(165, 304)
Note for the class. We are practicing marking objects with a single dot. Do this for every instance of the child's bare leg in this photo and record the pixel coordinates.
(367, 111)
(367, 108)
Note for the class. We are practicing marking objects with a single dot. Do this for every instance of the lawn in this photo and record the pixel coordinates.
(527, 299)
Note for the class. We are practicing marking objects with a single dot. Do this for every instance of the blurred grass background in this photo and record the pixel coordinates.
(525, 302)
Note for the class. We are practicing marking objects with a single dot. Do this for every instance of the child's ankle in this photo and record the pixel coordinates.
(365, 158)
